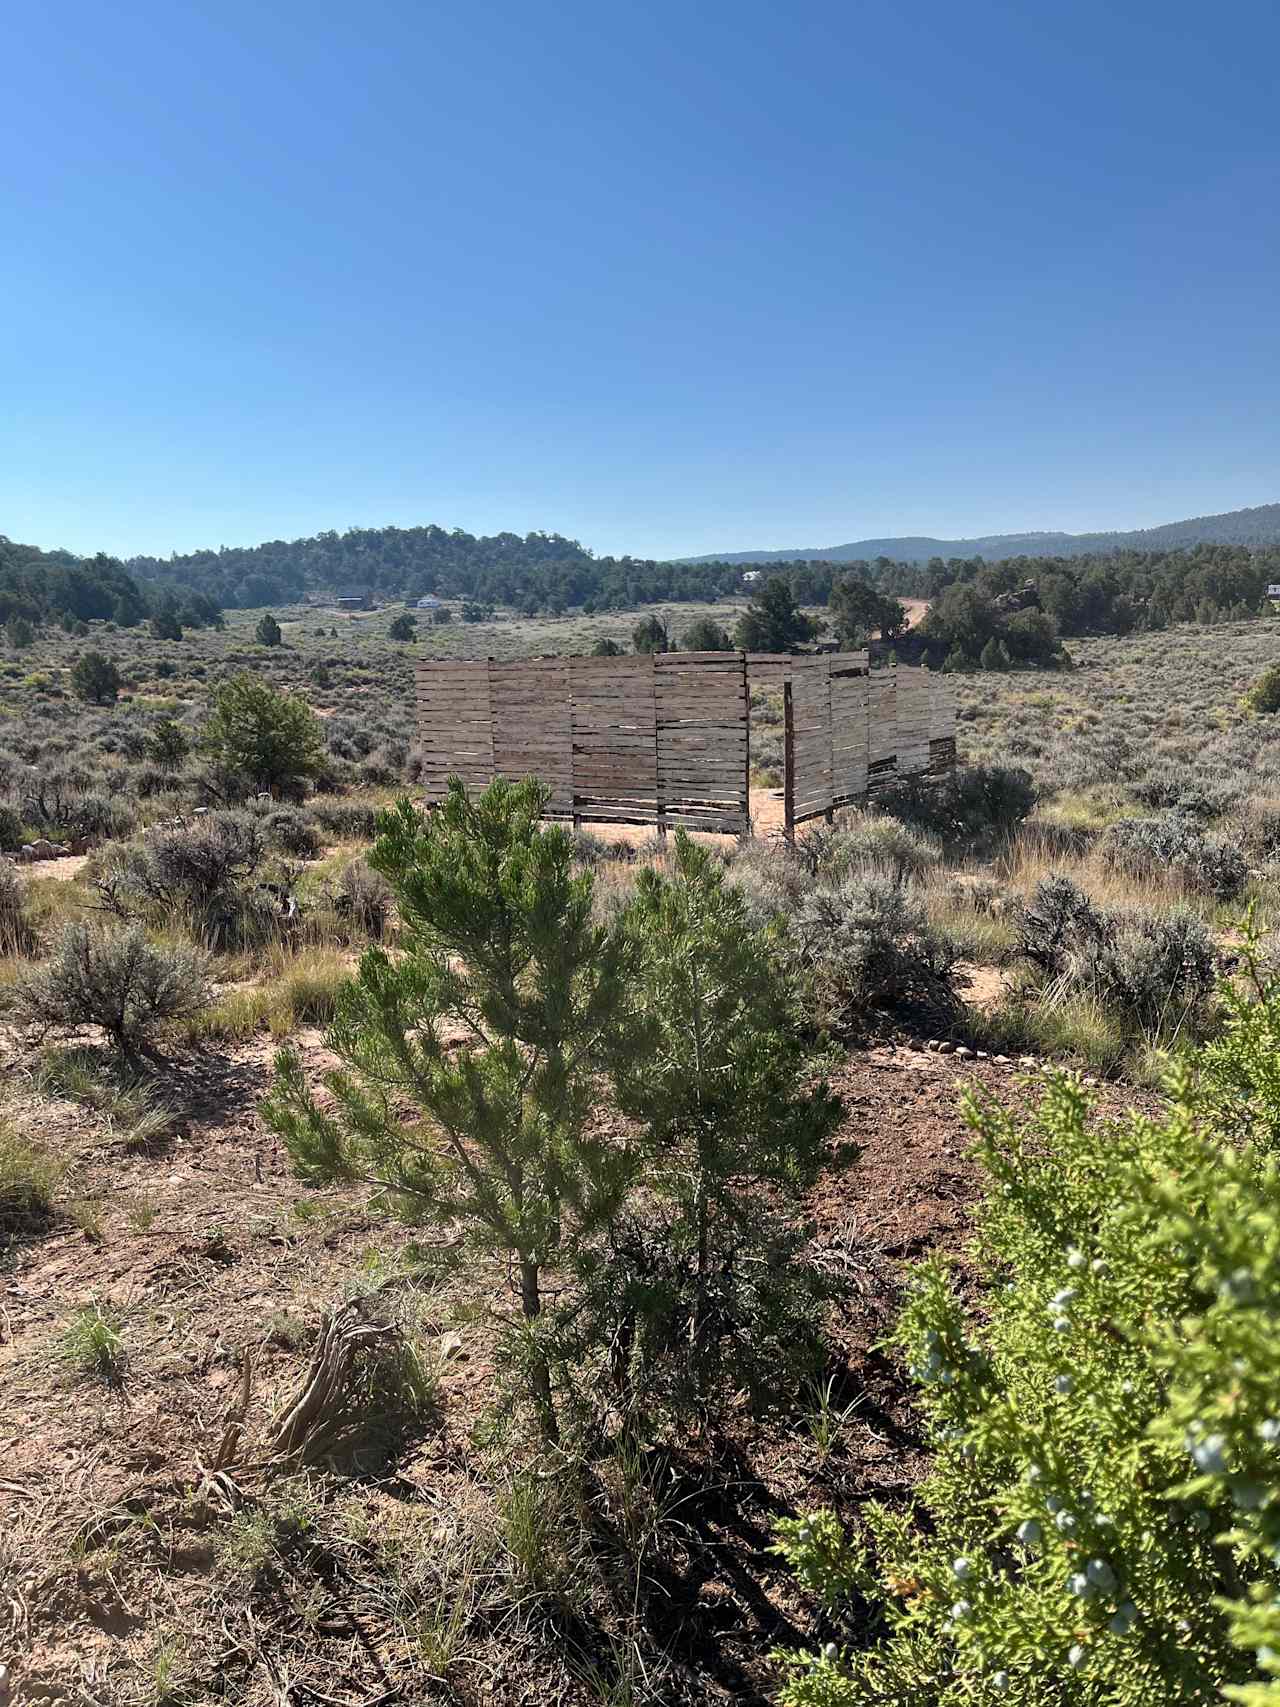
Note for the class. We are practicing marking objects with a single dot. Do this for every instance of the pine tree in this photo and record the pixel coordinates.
(270, 740)
(95, 679)
(708, 1288)
(268, 632)
(771, 622)
(499, 946)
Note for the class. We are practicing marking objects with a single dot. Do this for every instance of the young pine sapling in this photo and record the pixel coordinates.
(466, 1086)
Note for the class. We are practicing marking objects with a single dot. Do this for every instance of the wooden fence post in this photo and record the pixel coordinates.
(788, 766)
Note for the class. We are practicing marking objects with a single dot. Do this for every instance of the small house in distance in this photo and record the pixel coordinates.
(1273, 590)
(354, 601)
(430, 602)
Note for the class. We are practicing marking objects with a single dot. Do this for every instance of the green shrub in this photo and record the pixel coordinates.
(95, 679)
(976, 805)
(168, 743)
(271, 740)
(500, 941)
(706, 635)
(117, 981)
(706, 1290)
(1156, 848)
(1102, 1520)
(1264, 696)
(651, 635)
(866, 944)
(873, 844)
(202, 874)
(268, 631)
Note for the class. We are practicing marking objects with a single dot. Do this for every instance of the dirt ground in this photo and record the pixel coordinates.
(207, 1247)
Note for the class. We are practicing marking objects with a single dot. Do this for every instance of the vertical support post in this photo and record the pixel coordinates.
(788, 765)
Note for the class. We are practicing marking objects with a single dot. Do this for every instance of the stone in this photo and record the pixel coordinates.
(964, 1053)
(946, 1049)
(41, 850)
(1001, 1060)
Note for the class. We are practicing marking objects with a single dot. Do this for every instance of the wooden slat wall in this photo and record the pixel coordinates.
(615, 748)
(618, 740)
(882, 722)
(914, 716)
(703, 731)
(532, 728)
(455, 726)
(849, 733)
(942, 711)
(811, 732)
(665, 740)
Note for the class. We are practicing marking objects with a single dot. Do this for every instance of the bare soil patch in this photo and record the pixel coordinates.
(206, 1246)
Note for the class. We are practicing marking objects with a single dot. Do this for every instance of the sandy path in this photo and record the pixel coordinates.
(64, 869)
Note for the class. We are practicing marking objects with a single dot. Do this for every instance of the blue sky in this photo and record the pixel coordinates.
(666, 277)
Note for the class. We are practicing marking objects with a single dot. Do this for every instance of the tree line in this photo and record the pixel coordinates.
(42, 588)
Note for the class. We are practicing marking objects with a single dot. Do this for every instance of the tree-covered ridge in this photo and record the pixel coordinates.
(531, 572)
(40, 587)
(997, 614)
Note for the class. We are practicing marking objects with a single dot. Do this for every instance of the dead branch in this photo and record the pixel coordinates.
(309, 1425)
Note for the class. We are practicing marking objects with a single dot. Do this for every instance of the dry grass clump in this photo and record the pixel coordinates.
(301, 989)
(29, 1176)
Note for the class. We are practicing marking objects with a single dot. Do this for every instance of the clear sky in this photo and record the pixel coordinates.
(668, 277)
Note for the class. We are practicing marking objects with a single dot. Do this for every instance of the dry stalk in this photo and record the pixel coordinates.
(309, 1425)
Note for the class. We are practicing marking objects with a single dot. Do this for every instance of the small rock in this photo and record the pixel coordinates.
(1090, 1080)
(1001, 1060)
(964, 1053)
(41, 850)
(933, 1045)
(946, 1049)
(451, 1346)
(983, 1056)
(1026, 1060)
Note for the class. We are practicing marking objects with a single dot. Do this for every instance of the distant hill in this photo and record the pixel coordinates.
(1257, 526)
(529, 572)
